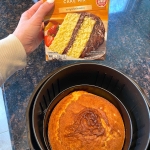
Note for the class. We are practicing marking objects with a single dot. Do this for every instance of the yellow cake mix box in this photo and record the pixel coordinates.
(76, 30)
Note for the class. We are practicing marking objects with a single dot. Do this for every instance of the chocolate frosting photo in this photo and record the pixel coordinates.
(87, 40)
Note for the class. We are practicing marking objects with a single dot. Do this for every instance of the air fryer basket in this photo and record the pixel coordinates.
(110, 79)
(31, 137)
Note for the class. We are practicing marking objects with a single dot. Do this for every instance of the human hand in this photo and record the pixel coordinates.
(29, 30)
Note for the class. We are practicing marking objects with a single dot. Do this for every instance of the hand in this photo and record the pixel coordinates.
(29, 30)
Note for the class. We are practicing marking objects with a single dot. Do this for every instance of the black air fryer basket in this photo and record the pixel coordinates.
(124, 88)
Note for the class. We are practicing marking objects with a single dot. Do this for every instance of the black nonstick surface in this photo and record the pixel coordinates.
(108, 78)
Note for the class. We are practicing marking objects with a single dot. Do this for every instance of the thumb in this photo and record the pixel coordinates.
(42, 11)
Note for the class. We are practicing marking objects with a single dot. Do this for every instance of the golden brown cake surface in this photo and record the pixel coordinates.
(83, 121)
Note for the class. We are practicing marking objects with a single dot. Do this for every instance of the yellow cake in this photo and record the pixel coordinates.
(84, 121)
(79, 34)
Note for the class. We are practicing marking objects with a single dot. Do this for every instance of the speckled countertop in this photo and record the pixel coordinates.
(128, 50)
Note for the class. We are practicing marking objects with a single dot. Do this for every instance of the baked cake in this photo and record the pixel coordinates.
(79, 34)
(83, 121)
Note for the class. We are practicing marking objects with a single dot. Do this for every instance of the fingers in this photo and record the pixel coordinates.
(42, 11)
(34, 8)
(40, 37)
(31, 11)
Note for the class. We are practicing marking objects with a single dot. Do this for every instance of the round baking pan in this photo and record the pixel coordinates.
(102, 76)
(97, 91)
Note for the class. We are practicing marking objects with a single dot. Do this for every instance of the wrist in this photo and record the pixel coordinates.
(22, 41)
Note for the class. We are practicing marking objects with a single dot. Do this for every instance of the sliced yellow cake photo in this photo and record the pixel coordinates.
(77, 36)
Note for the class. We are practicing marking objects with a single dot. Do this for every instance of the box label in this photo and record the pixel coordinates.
(76, 30)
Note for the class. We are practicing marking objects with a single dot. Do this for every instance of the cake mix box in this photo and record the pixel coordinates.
(76, 30)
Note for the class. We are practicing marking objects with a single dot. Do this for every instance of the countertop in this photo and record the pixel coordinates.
(128, 50)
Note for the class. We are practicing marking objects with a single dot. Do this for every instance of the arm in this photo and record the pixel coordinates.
(25, 39)
(12, 57)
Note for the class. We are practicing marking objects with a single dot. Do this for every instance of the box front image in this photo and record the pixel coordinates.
(76, 30)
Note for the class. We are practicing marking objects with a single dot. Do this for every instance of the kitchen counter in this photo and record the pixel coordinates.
(128, 50)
